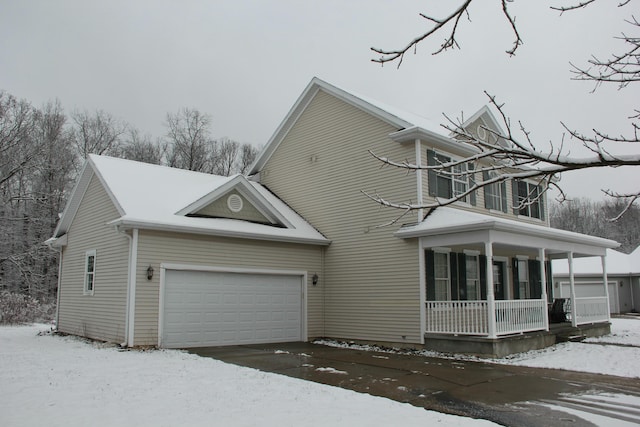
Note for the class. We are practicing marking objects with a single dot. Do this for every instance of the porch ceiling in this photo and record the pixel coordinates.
(446, 226)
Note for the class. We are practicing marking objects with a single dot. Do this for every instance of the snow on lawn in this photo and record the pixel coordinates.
(57, 381)
(593, 355)
(613, 354)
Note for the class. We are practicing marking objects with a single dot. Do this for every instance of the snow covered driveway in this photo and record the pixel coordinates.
(56, 381)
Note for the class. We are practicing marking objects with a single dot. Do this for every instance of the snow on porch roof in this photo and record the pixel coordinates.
(150, 197)
(617, 263)
(448, 220)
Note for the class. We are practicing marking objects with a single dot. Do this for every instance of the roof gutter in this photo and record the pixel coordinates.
(551, 233)
(139, 224)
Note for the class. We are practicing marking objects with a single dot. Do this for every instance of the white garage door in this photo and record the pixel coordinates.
(214, 308)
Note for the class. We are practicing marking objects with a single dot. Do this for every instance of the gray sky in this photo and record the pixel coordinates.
(246, 62)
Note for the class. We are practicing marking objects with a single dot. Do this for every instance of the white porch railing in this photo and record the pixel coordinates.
(457, 317)
(592, 310)
(470, 317)
(522, 315)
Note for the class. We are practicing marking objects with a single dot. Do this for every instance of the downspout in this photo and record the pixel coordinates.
(131, 287)
(57, 318)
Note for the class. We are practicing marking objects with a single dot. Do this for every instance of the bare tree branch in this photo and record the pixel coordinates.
(390, 55)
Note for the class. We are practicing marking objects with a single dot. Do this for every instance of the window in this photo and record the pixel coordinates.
(89, 272)
(524, 291)
(495, 195)
(528, 200)
(449, 182)
(473, 277)
(442, 276)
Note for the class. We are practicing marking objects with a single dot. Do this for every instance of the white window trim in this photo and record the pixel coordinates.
(88, 254)
(476, 256)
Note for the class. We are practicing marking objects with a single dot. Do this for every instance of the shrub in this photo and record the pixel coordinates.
(17, 308)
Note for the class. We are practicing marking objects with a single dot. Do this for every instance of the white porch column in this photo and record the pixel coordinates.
(572, 284)
(418, 148)
(543, 283)
(491, 302)
(606, 283)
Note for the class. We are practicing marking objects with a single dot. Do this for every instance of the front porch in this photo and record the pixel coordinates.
(505, 345)
(486, 281)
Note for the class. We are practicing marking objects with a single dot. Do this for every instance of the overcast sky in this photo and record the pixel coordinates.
(246, 62)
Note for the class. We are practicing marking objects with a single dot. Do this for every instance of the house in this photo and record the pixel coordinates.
(623, 278)
(156, 256)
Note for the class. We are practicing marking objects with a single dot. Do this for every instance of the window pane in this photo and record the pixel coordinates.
(90, 263)
(441, 265)
(89, 282)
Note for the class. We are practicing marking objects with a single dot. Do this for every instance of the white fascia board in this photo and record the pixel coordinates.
(112, 196)
(301, 104)
(433, 140)
(551, 234)
(157, 226)
(57, 242)
(73, 204)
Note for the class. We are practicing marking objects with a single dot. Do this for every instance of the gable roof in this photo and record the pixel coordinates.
(396, 117)
(618, 263)
(158, 197)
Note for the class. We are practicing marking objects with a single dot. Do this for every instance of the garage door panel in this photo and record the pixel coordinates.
(214, 308)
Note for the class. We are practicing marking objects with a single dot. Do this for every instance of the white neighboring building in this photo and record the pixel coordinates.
(623, 273)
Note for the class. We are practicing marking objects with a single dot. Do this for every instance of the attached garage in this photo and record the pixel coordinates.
(217, 308)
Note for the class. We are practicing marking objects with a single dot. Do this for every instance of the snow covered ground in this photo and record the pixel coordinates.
(615, 354)
(55, 381)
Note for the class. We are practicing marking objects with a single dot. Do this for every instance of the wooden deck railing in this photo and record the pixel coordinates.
(470, 317)
(592, 310)
(522, 315)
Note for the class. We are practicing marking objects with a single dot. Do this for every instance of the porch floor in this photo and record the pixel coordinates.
(517, 343)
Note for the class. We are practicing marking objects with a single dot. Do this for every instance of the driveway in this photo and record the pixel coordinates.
(508, 395)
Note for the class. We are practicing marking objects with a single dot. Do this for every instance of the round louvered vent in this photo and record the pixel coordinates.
(235, 203)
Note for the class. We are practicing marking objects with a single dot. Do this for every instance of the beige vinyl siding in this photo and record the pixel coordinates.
(156, 247)
(101, 315)
(372, 289)
(219, 208)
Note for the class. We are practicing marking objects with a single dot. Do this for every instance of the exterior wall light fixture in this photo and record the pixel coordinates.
(149, 273)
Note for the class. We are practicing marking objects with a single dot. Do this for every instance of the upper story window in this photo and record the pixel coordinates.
(528, 199)
(452, 181)
(495, 195)
(89, 272)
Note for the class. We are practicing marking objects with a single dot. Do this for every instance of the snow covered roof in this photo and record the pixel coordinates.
(159, 197)
(617, 264)
(448, 220)
(392, 115)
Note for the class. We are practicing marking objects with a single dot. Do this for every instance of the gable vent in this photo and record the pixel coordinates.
(234, 202)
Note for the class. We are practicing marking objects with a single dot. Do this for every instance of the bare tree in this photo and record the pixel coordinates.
(513, 153)
(226, 156)
(96, 133)
(142, 149)
(190, 142)
(248, 155)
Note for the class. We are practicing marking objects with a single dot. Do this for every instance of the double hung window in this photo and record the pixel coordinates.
(89, 272)
(449, 182)
(495, 195)
(528, 200)
(442, 276)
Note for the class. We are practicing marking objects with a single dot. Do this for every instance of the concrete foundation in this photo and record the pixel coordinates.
(506, 345)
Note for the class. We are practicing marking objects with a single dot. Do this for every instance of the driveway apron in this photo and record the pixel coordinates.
(507, 395)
